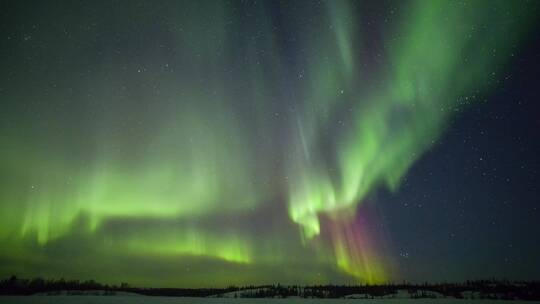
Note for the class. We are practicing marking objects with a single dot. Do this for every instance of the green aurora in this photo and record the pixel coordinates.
(220, 162)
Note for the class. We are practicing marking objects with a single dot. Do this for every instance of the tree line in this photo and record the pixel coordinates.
(480, 289)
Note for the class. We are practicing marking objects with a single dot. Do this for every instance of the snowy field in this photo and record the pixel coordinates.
(172, 300)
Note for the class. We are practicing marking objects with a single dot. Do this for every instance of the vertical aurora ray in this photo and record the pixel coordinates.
(441, 54)
(358, 246)
(233, 135)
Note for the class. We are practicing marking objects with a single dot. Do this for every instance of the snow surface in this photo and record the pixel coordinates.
(174, 300)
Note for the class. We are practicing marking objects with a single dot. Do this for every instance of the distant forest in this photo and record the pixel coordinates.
(478, 289)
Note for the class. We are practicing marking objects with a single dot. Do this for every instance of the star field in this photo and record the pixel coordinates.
(253, 142)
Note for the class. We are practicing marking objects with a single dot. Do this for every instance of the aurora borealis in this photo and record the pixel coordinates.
(211, 143)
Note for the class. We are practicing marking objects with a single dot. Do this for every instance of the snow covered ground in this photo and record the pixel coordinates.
(171, 300)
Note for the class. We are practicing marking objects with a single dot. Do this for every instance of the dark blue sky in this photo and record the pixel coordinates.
(253, 142)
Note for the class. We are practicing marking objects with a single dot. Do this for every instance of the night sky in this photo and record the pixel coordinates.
(212, 143)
